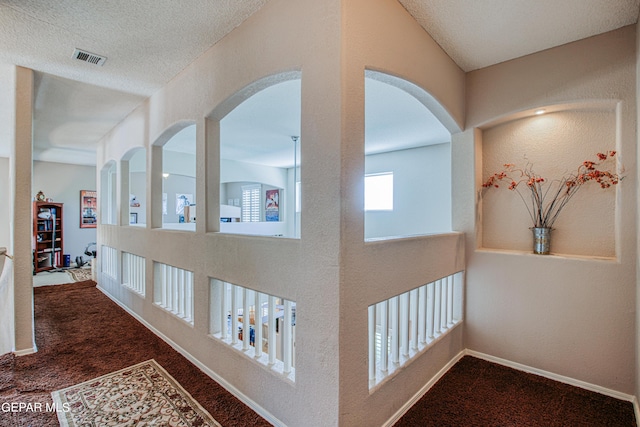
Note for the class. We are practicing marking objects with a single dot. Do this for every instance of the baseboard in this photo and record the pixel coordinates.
(636, 409)
(560, 378)
(26, 351)
(229, 387)
(414, 399)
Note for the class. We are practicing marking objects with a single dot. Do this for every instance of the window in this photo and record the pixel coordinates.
(378, 192)
(251, 203)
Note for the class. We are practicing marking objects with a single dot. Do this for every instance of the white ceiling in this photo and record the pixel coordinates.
(147, 42)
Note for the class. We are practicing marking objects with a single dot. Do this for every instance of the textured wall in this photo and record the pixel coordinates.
(569, 315)
(637, 335)
(322, 270)
(555, 144)
(381, 36)
(306, 270)
(5, 209)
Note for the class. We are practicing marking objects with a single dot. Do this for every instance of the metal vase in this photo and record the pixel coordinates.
(541, 240)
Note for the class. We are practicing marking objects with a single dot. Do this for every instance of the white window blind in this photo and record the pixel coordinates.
(251, 203)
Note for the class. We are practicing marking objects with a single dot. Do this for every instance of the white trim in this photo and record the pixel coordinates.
(230, 388)
(26, 351)
(409, 403)
(556, 377)
(636, 409)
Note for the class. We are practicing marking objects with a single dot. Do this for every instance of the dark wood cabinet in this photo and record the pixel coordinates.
(48, 236)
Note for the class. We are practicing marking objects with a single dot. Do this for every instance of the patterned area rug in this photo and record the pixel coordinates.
(80, 274)
(143, 394)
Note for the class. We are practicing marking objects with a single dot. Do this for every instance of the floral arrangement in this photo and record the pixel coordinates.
(545, 199)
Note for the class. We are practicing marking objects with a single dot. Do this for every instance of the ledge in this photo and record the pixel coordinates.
(550, 256)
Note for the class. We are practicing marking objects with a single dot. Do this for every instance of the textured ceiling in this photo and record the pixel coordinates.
(147, 42)
(479, 33)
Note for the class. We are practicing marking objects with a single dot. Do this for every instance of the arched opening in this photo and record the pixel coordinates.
(135, 162)
(178, 190)
(108, 196)
(260, 161)
(407, 161)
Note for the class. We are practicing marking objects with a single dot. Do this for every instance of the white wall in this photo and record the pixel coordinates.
(570, 315)
(234, 171)
(5, 208)
(62, 183)
(421, 193)
(174, 162)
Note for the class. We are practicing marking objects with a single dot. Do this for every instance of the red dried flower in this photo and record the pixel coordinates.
(548, 198)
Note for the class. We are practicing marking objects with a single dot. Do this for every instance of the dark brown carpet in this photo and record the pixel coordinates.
(81, 334)
(479, 393)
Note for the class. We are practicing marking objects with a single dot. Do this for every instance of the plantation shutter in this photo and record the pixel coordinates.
(251, 203)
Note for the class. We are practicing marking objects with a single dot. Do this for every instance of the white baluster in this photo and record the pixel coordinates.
(181, 293)
(393, 320)
(287, 337)
(245, 320)
(271, 339)
(257, 324)
(234, 314)
(164, 277)
(372, 342)
(438, 307)
(432, 310)
(413, 308)
(404, 323)
(450, 301)
(224, 310)
(445, 313)
(189, 295)
(384, 336)
(422, 297)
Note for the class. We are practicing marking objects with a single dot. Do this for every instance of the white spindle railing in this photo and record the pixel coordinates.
(405, 325)
(109, 261)
(266, 334)
(133, 272)
(173, 290)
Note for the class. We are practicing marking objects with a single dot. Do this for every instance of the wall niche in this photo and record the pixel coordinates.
(555, 143)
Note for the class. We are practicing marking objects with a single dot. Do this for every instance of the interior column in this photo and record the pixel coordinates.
(20, 164)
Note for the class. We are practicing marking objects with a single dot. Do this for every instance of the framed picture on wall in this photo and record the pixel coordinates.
(272, 205)
(133, 218)
(88, 209)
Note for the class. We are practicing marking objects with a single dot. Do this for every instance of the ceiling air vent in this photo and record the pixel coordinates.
(89, 57)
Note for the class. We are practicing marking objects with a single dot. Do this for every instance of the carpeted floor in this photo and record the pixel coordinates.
(81, 334)
(479, 393)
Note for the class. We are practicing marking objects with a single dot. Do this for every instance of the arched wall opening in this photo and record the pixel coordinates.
(407, 161)
(134, 163)
(260, 158)
(175, 151)
(108, 196)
